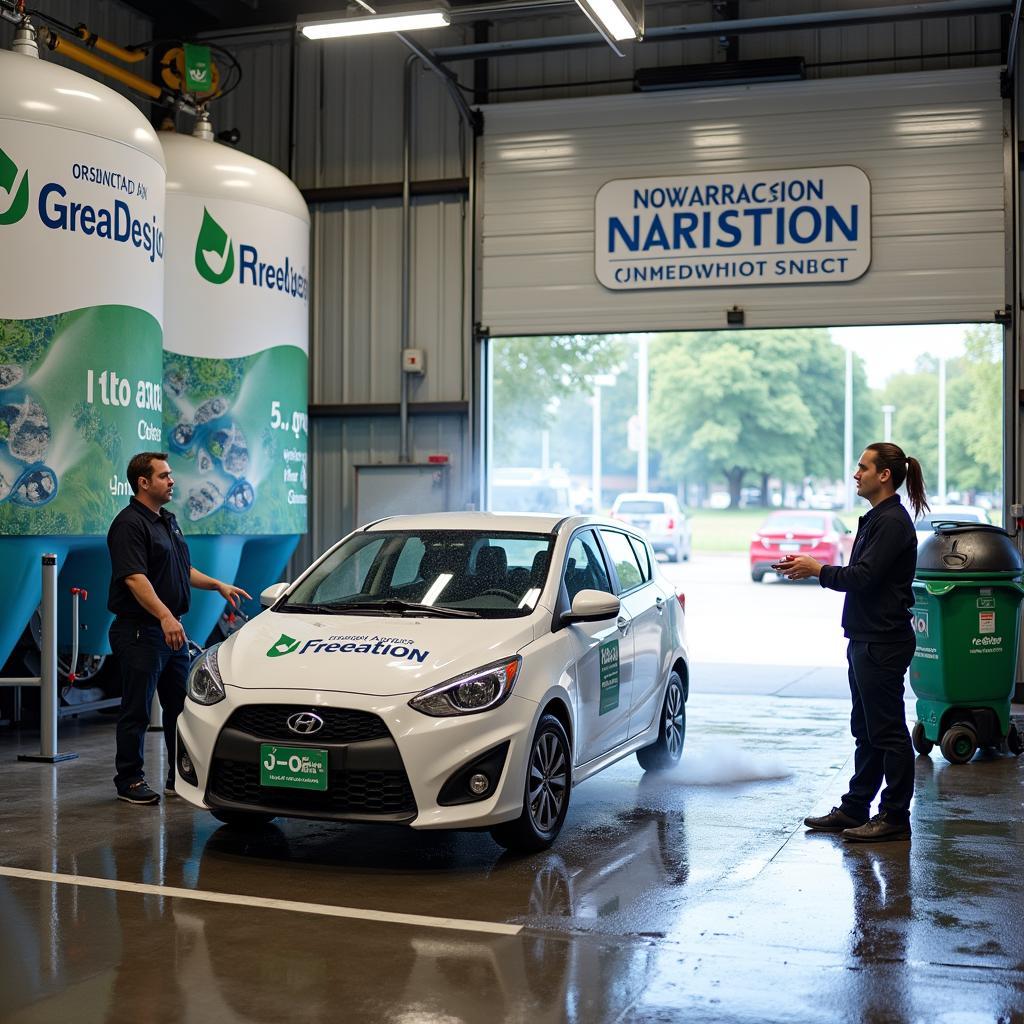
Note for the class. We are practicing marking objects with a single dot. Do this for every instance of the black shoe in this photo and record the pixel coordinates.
(139, 793)
(879, 830)
(835, 821)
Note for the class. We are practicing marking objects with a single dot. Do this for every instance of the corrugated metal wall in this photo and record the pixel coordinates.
(931, 144)
(348, 98)
(108, 18)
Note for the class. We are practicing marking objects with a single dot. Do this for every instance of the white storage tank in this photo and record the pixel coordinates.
(236, 342)
(81, 310)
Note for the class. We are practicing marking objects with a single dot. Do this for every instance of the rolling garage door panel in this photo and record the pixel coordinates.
(930, 143)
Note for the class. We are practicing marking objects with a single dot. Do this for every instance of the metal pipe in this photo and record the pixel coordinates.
(403, 384)
(48, 669)
(92, 40)
(741, 26)
(48, 660)
(1011, 50)
(429, 57)
(104, 67)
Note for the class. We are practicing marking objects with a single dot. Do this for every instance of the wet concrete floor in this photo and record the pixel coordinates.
(695, 896)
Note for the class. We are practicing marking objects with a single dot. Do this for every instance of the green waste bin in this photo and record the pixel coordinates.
(967, 596)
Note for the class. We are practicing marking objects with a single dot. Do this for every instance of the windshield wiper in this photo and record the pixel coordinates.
(394, 605)
(310, 609)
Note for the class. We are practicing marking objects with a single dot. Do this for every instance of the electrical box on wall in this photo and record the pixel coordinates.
(413, 360)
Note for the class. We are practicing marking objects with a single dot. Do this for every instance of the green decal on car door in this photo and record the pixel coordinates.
(609, 677)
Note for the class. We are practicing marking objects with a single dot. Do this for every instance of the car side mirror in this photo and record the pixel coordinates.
(592, 606)
(272, 593)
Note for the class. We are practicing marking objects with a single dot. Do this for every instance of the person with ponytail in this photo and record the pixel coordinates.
(881, 643)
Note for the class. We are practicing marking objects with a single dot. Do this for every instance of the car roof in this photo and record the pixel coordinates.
(645, 496)
(494, 522)
(808, 513)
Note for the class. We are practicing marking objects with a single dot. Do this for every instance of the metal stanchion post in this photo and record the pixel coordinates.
(48, 671)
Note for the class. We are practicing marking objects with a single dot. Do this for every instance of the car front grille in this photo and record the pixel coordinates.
(348, 792)
(270, 723)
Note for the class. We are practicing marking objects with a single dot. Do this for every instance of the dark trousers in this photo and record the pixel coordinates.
(148, 666)
(879, 725)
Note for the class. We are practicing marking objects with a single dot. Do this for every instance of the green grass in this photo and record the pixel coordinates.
(730, 530)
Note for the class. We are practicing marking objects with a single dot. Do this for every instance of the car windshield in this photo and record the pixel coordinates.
(795, 524)
(926, 522)
(641, 508)
(441, 572)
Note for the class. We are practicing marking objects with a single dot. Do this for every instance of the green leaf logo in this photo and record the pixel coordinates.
(19, 203)
(215, 255)
(285, 645)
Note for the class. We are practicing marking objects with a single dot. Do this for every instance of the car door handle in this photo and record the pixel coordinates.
(659, 603)
(623, 623)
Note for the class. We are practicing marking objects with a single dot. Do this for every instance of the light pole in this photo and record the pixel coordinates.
(602, 380)
(641, 413)
(848, 431)
(887, 411)
(942, 429)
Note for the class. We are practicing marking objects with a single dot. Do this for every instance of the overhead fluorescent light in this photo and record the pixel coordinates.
(616, 20)
(407, 21)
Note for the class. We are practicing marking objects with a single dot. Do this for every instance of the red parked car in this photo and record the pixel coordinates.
(822, 535)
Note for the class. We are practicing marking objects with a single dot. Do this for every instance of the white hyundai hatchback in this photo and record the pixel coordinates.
(455, 670)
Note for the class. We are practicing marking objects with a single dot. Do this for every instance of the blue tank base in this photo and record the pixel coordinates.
(264, 561)
(81, 562)
(218, 557)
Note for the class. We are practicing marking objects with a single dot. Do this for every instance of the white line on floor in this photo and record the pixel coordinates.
(234, 899)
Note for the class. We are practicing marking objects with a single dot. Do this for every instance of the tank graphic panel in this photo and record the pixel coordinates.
(237, 434)
(235, 365)
(79, 393)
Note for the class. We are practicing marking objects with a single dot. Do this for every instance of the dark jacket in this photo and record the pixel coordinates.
(877, 582)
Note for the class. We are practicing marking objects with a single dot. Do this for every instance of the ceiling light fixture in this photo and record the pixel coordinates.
(616, 20)
(405, 21)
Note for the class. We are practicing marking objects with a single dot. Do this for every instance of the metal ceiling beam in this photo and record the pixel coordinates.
(742, 26)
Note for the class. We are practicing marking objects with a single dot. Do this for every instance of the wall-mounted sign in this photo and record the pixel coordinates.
(798, 226)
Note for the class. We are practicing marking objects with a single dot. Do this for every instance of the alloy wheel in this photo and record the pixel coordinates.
(548, 781)
(674, 724)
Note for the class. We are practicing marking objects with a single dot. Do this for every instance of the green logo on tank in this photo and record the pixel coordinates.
(215, 254)
(285, 645)
(19, 202)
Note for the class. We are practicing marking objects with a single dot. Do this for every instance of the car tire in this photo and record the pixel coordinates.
(667, 749)
(757, 575)
(243, 819)
(545, 802)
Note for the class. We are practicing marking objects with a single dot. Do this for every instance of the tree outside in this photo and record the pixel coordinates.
(756, 415)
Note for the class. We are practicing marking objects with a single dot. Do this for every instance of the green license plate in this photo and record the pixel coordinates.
(293, 767)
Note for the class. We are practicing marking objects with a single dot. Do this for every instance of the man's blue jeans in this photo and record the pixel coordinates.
(148, 666)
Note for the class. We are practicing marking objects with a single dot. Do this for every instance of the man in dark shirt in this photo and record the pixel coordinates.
(150, 583)
(877, 623)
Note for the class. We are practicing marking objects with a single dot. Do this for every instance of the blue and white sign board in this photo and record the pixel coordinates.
(760, 227)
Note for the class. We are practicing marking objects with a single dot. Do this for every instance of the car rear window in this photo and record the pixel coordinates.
(795, 524)
(642, 508)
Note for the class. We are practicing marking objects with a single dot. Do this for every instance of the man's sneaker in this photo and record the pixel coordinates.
(879, 830)
(835, 821)
(139, 793)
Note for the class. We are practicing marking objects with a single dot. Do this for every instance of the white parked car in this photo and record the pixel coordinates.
(658, 516)
(948, 514)
(455, 670)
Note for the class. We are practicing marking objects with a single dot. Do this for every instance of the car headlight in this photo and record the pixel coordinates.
(205, 685)
(480, 690)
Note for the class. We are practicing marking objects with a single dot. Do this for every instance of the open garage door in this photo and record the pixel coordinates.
(901, 175)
